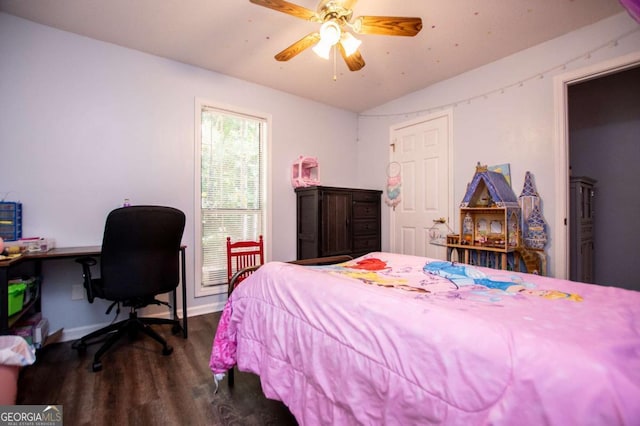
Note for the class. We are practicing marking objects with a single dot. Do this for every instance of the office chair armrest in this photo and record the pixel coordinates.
(87, 262)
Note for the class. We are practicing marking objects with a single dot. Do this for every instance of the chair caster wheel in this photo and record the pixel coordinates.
(167, 350)
(96, 366)
(81, 348)
(176, 328)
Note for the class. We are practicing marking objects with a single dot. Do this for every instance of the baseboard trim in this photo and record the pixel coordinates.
(77, 332)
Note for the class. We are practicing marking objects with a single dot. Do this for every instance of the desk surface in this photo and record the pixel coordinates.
(67, 252)
(56, 253)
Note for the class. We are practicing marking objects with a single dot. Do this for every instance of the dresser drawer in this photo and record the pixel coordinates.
(366, 196)
(363, 210)
(366, 244)
(365, 227)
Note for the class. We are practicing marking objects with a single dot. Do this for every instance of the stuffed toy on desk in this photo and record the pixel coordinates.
(8, 251)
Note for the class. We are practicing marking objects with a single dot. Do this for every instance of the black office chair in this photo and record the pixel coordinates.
(139, 260)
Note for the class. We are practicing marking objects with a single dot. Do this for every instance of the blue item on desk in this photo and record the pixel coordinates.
(10, 220)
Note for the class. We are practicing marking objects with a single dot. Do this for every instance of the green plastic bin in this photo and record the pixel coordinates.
(16, 298)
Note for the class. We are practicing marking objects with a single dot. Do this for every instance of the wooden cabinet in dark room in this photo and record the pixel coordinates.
(582, 191)
(333, 221)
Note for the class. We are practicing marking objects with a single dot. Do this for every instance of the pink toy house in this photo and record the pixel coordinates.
(305, 172)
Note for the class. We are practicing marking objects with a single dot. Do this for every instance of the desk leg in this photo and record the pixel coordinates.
(39, 280)
(183, 278)
(4, 300)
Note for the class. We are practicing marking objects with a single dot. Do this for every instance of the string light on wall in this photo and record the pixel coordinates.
(520, 83)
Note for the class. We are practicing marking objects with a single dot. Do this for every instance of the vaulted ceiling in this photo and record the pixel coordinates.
(240, 39)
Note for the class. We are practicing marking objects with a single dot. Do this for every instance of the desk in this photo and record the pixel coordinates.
(65, 253)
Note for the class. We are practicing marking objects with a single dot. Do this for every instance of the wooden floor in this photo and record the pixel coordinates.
(140, 386)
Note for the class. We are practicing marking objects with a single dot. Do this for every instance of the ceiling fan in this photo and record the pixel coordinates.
(336, 19)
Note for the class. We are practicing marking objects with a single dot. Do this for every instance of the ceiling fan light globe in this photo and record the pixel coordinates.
(330, 33)
(322, 49)
(350, 43)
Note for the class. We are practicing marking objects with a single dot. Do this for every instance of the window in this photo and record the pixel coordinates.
(230, 188)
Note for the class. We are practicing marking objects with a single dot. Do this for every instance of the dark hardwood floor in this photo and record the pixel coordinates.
(140, 386)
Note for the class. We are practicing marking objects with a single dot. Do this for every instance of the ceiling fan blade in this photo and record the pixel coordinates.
(286, 7)
(346, 4)
(388, 25)
(354, 61)
(297, 47)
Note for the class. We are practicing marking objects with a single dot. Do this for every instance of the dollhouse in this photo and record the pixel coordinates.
(493, 231)
(490, 218)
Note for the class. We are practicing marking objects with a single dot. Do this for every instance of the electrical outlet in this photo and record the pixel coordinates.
(77, 292)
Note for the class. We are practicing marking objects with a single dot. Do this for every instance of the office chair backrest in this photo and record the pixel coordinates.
(140, 251)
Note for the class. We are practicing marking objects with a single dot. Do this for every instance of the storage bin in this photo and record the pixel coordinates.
(16, 298)
(30, 291)
(10, 220)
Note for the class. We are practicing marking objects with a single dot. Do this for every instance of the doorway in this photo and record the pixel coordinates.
(421, 153)
(582, 150)
(604, 124)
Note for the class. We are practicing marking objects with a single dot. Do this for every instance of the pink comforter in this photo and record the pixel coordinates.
(381, 340)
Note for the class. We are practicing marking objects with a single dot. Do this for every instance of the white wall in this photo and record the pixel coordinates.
(514, 125)
(85, 124)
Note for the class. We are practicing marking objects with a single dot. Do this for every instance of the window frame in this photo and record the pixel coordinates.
(199, 289)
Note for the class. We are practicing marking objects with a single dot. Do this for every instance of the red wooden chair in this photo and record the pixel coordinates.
(243, 254)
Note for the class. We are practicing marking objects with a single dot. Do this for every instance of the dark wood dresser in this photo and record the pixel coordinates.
(333, 221)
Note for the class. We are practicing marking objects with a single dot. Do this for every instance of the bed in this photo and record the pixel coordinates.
(404, 340)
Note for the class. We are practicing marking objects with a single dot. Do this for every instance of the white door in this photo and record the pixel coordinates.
(421, 148)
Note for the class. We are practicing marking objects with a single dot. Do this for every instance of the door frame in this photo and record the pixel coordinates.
(561, 83)
(448, 113)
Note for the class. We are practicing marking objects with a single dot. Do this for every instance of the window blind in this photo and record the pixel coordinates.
(231, 186)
